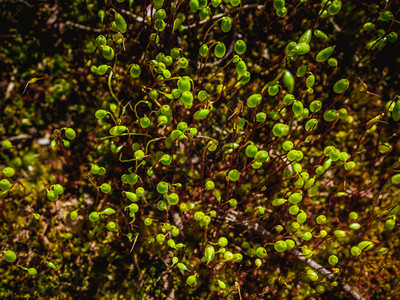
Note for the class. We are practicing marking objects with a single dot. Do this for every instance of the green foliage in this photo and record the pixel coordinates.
(200, 149)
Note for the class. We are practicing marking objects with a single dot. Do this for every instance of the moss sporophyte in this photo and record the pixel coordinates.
(181, 146)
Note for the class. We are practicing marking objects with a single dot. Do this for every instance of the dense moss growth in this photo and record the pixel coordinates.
(199, 149)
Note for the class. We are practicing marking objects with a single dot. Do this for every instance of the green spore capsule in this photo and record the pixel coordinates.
(335, 7)
(135, 71)
(201, 114)
(70, 134)
(333, 260)
(203, 50)
(209, 185)
(320, 34)
(194, 5)
(324, 54)
(290, 48)
(302, 48)
(254, 100)
(288, 81)
(280, 129)
(52, 196)
(32, 271)
(312, 275)
(301, 71)
(392, 37)
(251, 150)
(6, 144)
(355, 251)
(287, 145)
(278, 201)
(365, 245)
(51, 265)
(295, 198)
(94, 216)
(222, 241)
(332, 62)
(120, 23)
(8, 172)
(297, 108)
(261, 252)
(175, 52)
(341, 86)
(287, 100)
(307, 236)
(10, 256)
(111, 226)
(280, 246)
(117, 130)
(386, 16)
(107, 52)
(162, 187)
(191, 279)
(331, 115)
(279, 4)
(241, 67)
(290, 244)
(105, 188)
(220, 50)
(100, 114)
(58, 189)
(204, 13)
(305, 37)
(157, 4)
(74, 215)
(184, 84)
(160, 14)
(355, 226)
(273, 89)
(183, 63)
(261, 117)
(202, 95)
(240, 47)
(233, 175)
(311, 124)
(102, 69)
(209, 253)
(301, 217)
(396, 111)
(396, 179)
(226, 24)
